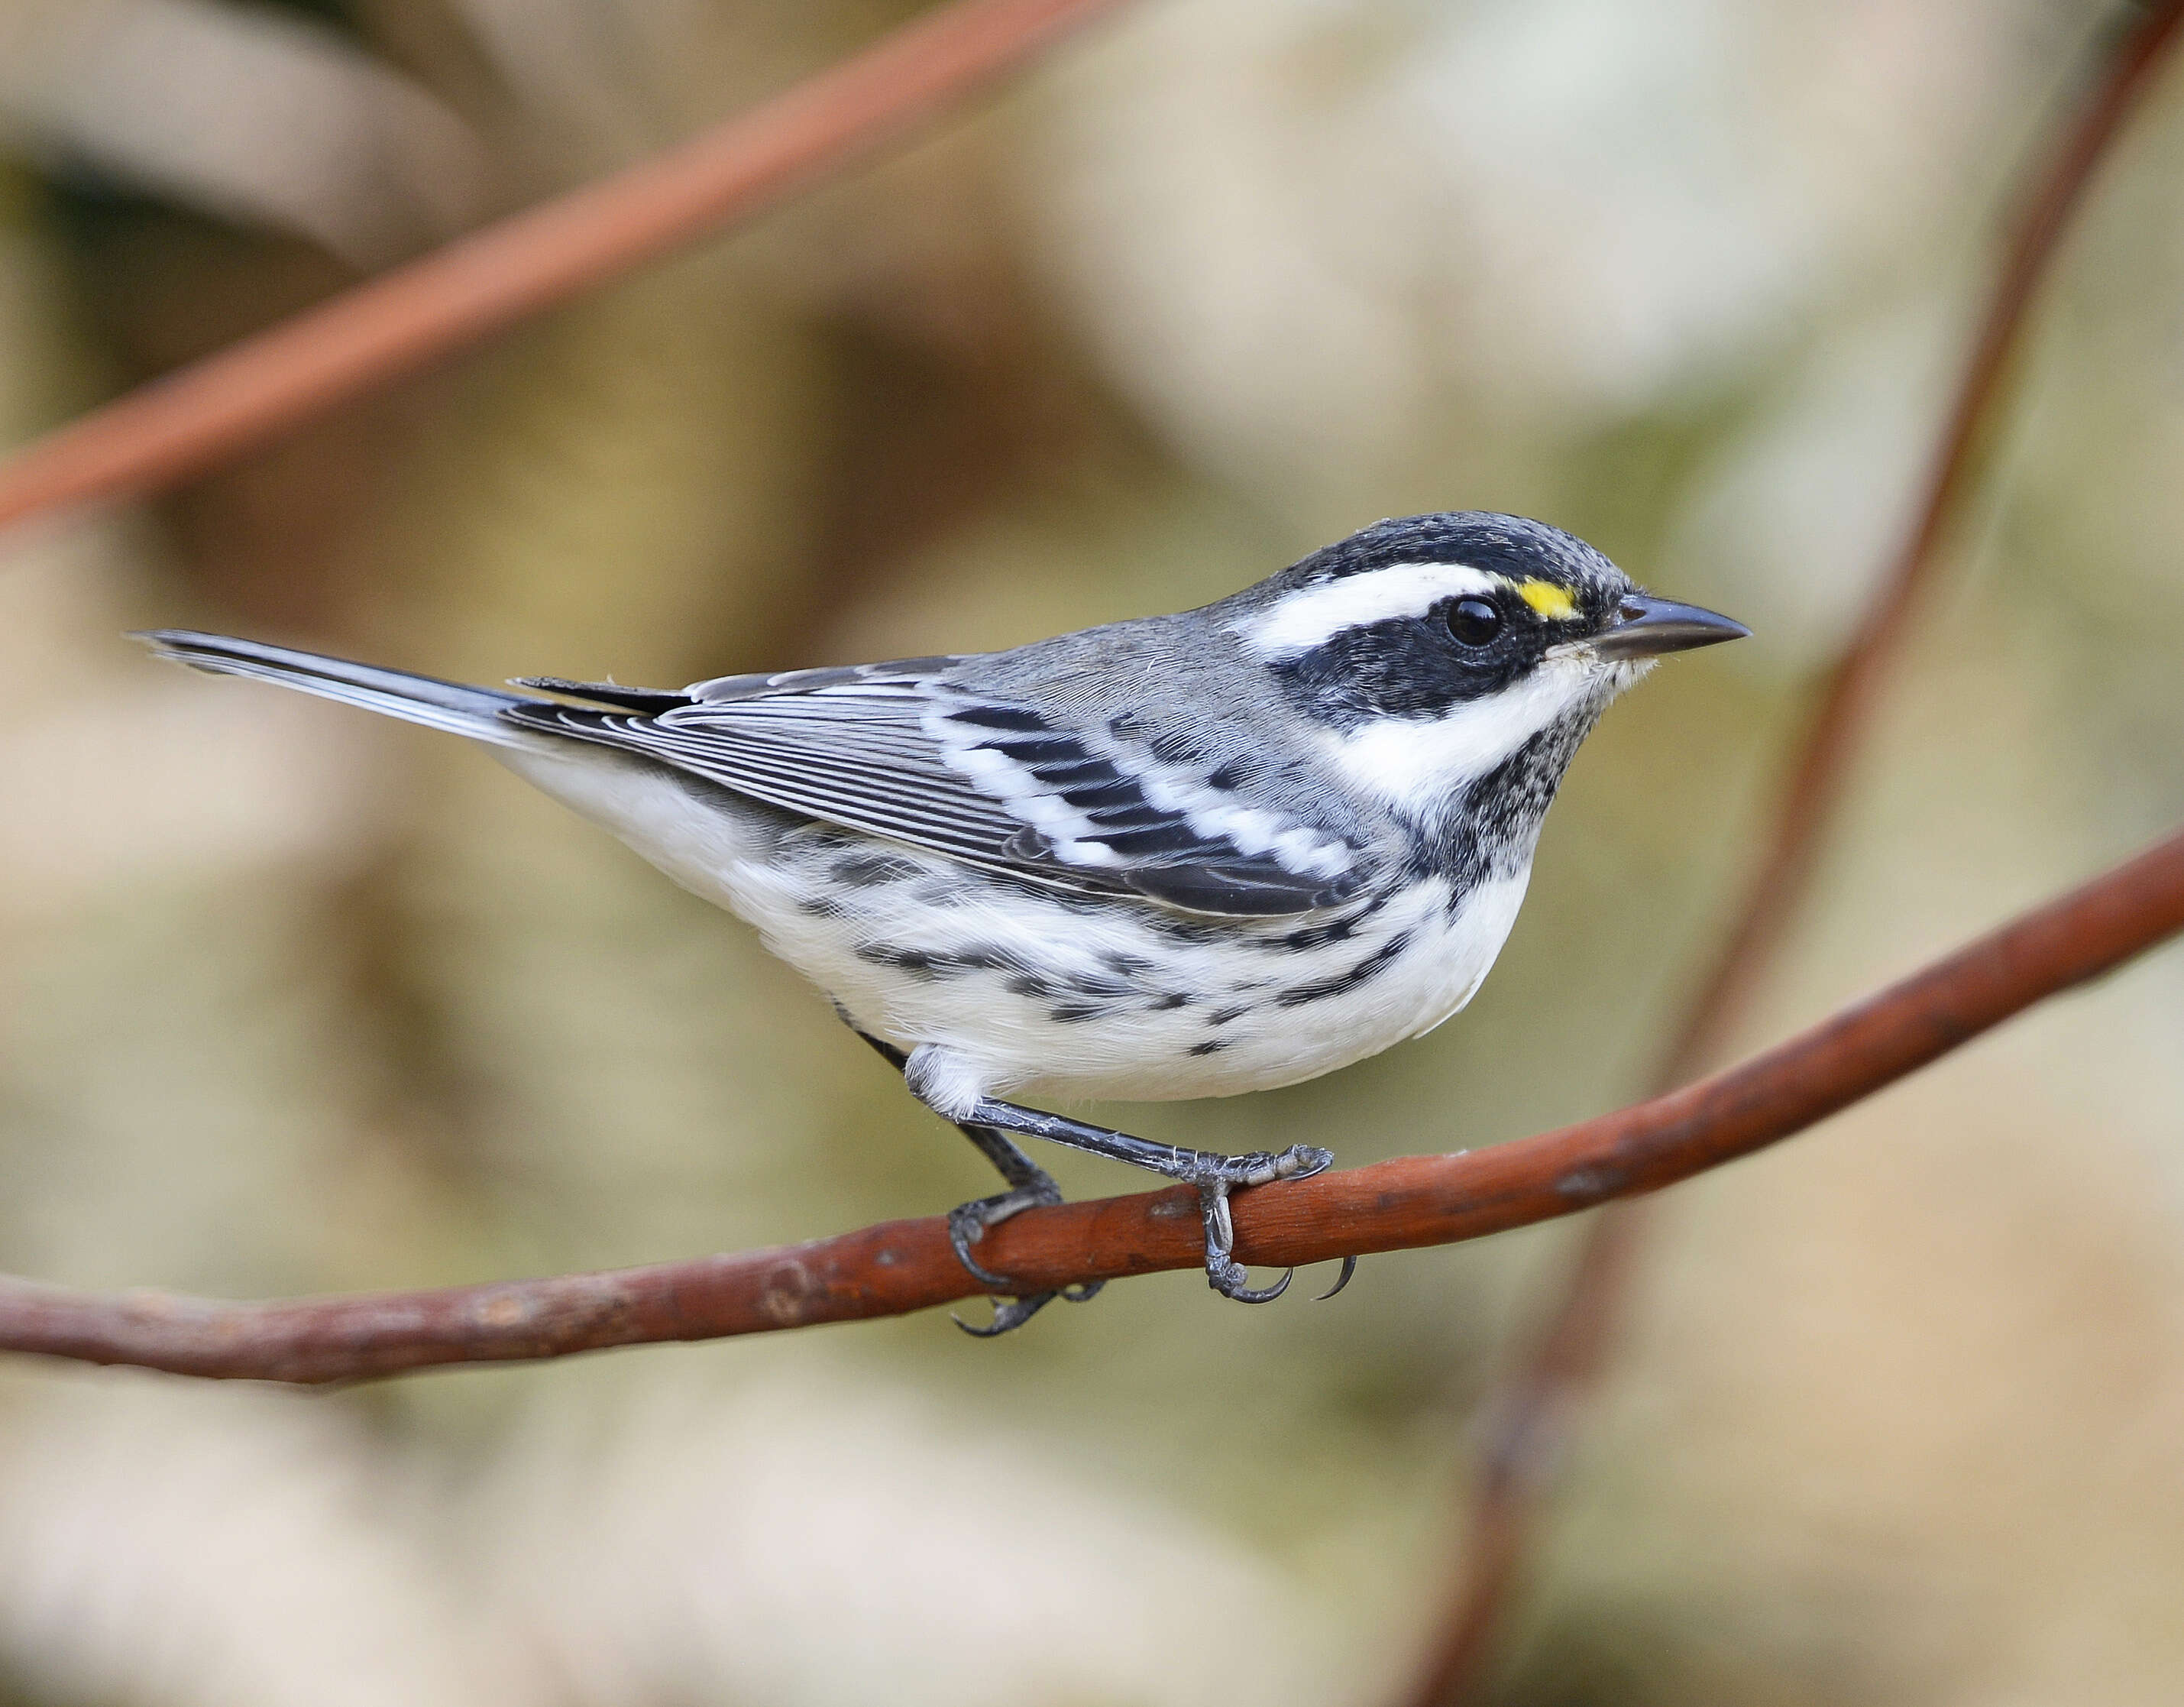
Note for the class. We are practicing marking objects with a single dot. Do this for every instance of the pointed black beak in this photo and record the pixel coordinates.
(1645, 628)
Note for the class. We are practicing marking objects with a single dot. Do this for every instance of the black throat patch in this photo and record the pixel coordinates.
(1489, 828)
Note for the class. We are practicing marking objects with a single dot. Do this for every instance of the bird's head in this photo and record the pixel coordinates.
(1431, 651)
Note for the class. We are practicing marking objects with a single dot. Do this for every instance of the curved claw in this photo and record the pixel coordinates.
(1082, 1292)
(961, 1221)
(1342, 1280)
(1309, 1159)
(1009, 1313)
(1229, 1283)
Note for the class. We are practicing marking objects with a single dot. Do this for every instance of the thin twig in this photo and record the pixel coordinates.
(902, 1266)
(395, 325)
(1531, 1409)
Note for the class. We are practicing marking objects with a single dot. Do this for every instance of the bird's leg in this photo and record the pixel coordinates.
(1030, 1186)
(1214, 1176)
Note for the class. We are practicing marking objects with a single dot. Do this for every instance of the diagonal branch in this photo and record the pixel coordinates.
(1532, 1404)
(901, 1266)
(404, 321)
(1845, 709)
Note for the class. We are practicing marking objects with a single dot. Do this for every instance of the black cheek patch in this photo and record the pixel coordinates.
(1407, 667)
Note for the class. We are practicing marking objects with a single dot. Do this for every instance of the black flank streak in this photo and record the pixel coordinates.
(1212, 1046)
(925, 969)
(1226, 1015)
(1334, 930)
(1178, 926)
(930, 966)
(1363, 973)
(1169, 1002)
(1096, 984)
(871, 870)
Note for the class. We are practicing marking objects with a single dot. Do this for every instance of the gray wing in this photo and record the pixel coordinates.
(897, 750)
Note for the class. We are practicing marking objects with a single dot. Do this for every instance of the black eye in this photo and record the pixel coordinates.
(1473, 621)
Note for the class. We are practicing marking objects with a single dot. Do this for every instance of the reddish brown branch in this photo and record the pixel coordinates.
(1533, 1405)
(907, 1265)
(406, 320)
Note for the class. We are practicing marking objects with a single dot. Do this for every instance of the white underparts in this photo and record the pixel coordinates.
(1413, 764)
(945, 1080)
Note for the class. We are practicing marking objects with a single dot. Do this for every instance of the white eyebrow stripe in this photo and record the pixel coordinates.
(1313, 616)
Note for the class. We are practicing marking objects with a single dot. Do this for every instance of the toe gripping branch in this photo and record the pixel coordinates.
(1223, 1273)
(967, 1223)
(1214, 1176)
(1031, 1186)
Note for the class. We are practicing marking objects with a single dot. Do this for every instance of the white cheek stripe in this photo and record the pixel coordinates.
(1414, 764)
(1316, 615)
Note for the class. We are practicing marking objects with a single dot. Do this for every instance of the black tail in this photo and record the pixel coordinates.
(450, 706)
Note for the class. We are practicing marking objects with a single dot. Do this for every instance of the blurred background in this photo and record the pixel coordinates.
(298, 1000)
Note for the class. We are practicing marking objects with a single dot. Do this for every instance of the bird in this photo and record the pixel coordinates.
(1176, 856)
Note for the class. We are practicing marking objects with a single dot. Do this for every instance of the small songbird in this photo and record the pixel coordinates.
(1179, 856)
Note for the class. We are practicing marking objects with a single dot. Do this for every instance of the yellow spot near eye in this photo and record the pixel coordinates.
(1550, 600)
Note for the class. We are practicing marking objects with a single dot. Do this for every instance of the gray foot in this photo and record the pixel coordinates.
(967, 1223)
(1215, 1177)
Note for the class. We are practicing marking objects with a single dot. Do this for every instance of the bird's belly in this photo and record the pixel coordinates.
(1275, 1017)
(1053, 996)
(1045, 996)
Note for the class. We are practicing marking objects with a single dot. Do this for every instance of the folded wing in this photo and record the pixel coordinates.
(899, 751)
